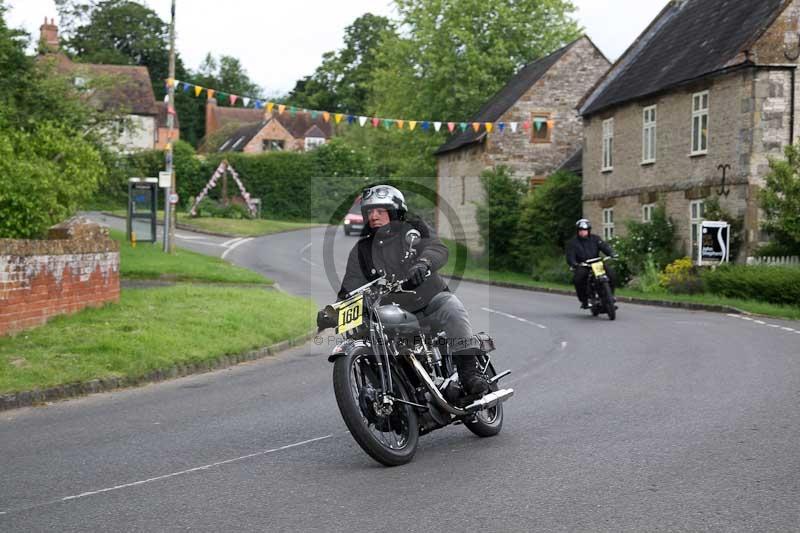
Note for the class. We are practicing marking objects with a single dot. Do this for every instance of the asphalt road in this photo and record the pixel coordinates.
(664, 420)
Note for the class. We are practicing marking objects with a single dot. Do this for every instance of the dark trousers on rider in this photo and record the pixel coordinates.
(580, 279)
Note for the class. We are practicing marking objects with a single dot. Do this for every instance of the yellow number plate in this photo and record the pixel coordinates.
(351, 314)
(599, 269)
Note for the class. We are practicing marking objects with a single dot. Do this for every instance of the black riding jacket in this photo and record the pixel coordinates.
(579, 250)
(383, 252)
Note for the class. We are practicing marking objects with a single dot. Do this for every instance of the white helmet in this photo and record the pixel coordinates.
(385, 196)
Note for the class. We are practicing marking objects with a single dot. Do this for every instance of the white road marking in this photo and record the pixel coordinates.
(309, 261)
(306, 247)
(563, 344)
(228, 243)
(189, 237)
(234, 246)
(190, 470)
(540, 326)
(762, 323)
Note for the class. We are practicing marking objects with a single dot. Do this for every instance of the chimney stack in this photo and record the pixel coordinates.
(48, 35)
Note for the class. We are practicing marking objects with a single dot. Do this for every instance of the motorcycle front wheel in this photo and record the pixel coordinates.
(608, 300)
(389, 435)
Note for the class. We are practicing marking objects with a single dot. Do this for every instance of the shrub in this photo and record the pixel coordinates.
(654, 239)
(682, 277)
(549, 264)
(547, 217)
(776, 285)
(498, 216)
(648, 280)
(780, 200)
(46, 175)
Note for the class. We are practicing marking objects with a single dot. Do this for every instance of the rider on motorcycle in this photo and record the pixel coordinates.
(383, 251)
(583, 247)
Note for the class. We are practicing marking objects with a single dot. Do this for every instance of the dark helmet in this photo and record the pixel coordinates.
(583, 224)
(387, 197)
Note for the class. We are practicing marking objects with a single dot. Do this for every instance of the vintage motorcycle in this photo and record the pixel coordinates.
(395, 380)
(601, 297)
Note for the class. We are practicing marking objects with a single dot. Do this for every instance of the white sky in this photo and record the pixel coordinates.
(279, 46)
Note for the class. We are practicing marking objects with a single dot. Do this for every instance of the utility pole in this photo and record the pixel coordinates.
(169, 209)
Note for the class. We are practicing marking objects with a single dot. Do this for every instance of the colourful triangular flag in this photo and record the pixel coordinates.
(259, 104)
(185, 87)
(514, 127)
(400, 123)
(210, 93)
(233, 98)
(476, 126)
(197, 90)
(362, 120)
(350, 119)
(375, 122)
(281, 109)
(426, 125)
(451, 126)
(501, 126)
(412, 124)
(489, 127)
(326, 116)
(246, 101)
(293, 110)
(526, 125)
(437, 126)
(270, 105)
(339, 117)
(313, 115)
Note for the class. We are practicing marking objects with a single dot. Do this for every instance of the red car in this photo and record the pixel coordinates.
(353, 220)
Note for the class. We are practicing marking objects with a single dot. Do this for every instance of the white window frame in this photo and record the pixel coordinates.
(697, 212)
(313, 142)
(649, 121)
(647, 212)
(608, 145)
(700, 116)
(608, 224)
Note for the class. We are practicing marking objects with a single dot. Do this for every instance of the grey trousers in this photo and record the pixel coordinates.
(445, 312)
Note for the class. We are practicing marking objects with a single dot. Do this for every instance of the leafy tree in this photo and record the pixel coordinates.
(780, 200)
(342, 82)
(48, 161)
(453, 54)
(498, 216)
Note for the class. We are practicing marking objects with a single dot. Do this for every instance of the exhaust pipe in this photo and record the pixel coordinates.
(490, 400)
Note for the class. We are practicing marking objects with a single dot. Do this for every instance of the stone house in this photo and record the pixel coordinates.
(259, 131)
(123, 89)
(541, 99)
(692, 111)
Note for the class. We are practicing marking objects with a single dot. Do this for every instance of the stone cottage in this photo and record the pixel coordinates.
(692, 111)
(542, 99)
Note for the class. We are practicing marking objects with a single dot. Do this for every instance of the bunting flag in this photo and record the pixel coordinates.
(452, 126)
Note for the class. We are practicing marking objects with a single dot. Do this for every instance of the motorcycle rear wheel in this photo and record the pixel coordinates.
(489, 422)
(391, 440)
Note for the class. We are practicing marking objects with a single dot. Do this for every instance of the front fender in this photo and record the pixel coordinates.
(346, 348)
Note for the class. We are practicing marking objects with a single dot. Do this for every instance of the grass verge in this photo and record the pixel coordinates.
(473, 271)
(150, 329)
(147, 261)
(231, 226)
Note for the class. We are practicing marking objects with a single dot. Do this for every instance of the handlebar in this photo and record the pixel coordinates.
(589, 262)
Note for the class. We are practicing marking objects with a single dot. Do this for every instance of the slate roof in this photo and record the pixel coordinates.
(688, 40)
(574, 163)
(506, 97)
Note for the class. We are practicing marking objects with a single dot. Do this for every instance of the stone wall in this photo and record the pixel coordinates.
(76, 267)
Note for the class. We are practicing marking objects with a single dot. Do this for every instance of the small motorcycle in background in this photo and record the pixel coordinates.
(601, 298)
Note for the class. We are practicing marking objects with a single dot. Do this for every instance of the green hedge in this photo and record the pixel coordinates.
(765, 283)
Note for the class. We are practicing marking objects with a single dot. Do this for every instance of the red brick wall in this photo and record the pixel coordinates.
(77, 267)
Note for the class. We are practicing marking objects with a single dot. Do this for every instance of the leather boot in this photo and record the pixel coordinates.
(469, 373)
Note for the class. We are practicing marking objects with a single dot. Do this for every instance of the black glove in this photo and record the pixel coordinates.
(325, 321)
(417, 274)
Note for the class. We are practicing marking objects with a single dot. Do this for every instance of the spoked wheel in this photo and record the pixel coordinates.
(387, 431)
(608, 300)
(489, 422)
